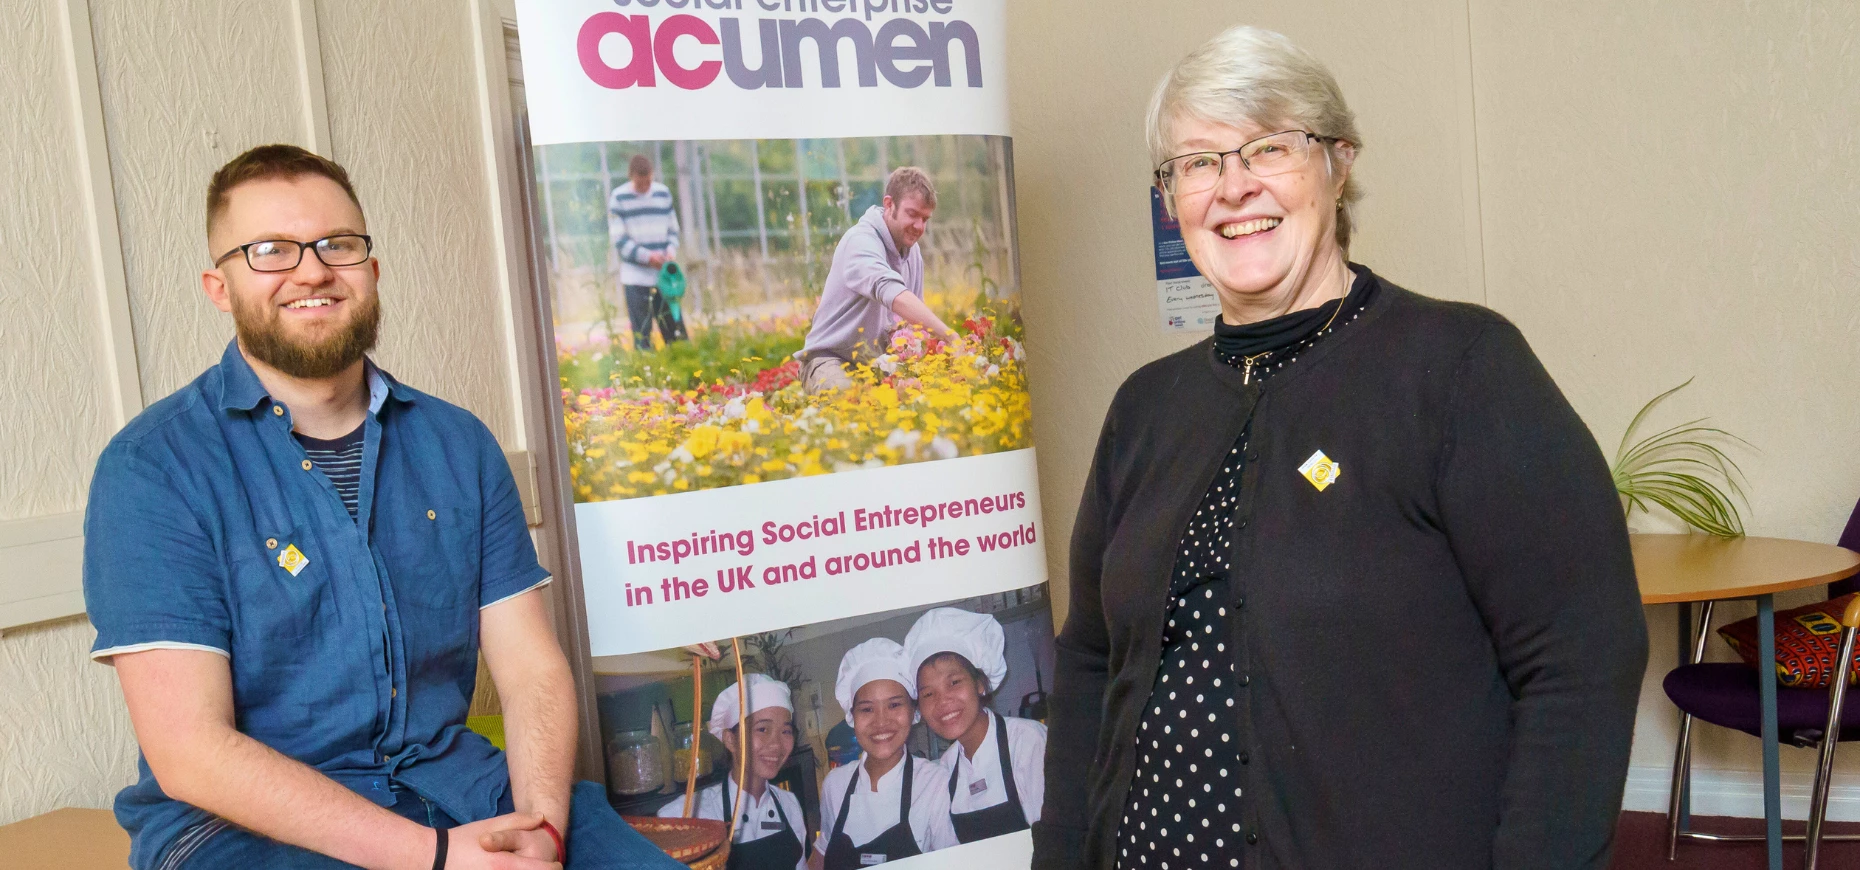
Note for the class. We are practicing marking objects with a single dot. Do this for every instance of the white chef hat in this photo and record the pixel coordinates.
(880, 658)
(974, 636)
(764, 692)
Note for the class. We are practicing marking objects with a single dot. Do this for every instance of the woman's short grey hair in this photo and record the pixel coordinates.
(1250, 75)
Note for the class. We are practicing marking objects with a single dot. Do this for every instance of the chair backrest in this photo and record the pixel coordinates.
(1850, 538)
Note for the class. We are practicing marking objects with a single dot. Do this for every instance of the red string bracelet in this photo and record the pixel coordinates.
(561, 851)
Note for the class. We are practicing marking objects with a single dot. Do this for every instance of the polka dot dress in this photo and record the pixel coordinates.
(1183, 808)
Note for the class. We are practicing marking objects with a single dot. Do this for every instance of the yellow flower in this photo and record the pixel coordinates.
(703, 441)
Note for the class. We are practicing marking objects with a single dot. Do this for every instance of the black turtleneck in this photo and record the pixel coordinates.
(1234, 344)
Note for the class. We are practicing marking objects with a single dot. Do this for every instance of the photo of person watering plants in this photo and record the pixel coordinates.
(878, 737)
(736, 311)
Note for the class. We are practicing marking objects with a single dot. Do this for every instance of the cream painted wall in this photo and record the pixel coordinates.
(1651, 190)
(1669, 193)
(184, 86)
(64, 739)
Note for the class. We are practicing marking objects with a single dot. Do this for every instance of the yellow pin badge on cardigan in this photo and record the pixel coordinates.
(293, 560)
(1321, 470)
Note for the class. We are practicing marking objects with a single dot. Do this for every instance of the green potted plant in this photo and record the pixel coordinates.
(1682, 470)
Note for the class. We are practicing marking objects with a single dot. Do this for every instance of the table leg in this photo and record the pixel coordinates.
(1682, 783)
(1685, 633)
(1772, 763)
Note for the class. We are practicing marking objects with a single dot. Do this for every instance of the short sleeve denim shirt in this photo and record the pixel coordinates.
(353, 641)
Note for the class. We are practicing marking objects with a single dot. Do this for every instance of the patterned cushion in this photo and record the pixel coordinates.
(1807, 640)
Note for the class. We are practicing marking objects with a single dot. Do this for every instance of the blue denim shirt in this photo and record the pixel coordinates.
(353, 641)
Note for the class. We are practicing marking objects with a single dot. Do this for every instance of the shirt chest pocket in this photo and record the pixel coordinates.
(435, 557)
(282, 585)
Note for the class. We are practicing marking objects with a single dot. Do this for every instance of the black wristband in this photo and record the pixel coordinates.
(439, 849)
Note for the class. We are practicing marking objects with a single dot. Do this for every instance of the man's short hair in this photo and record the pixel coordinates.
(639, 165)
(907, 180)
(267, 162)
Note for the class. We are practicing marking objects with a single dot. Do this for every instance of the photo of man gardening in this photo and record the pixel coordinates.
(839, 304)
(877, 280)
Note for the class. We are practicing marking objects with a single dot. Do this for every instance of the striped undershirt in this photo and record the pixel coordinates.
(340, 460)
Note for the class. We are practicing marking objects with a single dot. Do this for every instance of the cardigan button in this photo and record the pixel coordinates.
(1246, 757)
(1245, 680)
(1252, 839)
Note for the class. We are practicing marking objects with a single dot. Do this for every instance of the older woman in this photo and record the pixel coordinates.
(1350, 583)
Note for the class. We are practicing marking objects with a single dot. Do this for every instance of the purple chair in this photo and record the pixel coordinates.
(1726, 695)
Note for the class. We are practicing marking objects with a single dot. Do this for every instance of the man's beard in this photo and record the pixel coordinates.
(261, 334)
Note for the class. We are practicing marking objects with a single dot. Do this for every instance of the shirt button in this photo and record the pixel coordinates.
(306, 465)
(432, 515)
(271, 543)
(277, 410)
(393, 693)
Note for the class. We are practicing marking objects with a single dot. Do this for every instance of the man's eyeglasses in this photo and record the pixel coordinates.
(283, 255)
(1200, 171)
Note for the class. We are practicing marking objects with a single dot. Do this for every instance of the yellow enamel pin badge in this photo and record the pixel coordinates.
(1321, 470)
(293, 559)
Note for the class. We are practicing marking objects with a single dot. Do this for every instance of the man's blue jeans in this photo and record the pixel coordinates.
(597, 840)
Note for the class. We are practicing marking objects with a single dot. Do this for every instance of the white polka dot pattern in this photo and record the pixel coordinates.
(1183, 808)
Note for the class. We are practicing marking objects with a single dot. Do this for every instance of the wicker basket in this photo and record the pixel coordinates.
(701, 844)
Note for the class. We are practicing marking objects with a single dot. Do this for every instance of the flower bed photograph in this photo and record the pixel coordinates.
(734, 312)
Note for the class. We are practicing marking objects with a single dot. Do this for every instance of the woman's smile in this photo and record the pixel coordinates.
(1256, 227)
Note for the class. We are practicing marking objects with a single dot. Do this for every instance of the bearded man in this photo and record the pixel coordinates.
(876, 281)
(292, 563)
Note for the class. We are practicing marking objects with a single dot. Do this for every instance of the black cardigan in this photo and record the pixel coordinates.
(1442, 651)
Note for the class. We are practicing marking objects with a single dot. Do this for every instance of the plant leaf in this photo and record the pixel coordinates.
(1680, 470)
(1635, 424)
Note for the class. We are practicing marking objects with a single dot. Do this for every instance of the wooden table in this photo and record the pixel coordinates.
(67, 839)
(1683, 569)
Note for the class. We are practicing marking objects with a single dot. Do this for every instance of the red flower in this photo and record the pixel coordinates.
(771, 379)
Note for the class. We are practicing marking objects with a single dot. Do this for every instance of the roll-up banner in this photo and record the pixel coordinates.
(779, 236)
